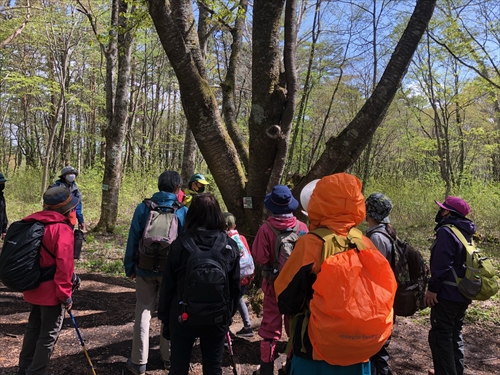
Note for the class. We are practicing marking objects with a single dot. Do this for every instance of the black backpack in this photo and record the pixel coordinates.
(20, 258)
(205, 299)
(412, 274)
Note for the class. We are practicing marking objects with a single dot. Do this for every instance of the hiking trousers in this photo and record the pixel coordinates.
(445, 337)
(243, 309)
(380, 362)
(146, 291)
(271, 326)
(182, 338)
(42, 332)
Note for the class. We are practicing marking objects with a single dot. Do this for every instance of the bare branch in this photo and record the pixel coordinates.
(20, 29)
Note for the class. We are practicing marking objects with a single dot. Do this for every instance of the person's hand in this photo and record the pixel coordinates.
(68, 303)
(81, 226)
(430, 299)
(3, 236)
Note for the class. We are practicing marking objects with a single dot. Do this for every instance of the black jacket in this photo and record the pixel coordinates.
(3, 215)
(175, 272)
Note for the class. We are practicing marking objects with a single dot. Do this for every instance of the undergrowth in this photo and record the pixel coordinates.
(412, 216)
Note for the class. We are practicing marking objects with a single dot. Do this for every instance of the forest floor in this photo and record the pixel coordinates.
(104, 311)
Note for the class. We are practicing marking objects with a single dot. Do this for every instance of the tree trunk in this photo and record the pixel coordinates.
(173, 21)
(115, 134)
(229, 84)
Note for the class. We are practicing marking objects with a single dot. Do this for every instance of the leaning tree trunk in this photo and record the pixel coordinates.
(115, 134)
(343, 151)
(173, 21)
(229, 85)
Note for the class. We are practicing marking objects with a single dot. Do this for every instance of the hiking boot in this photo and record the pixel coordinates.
(166, 365)
(135, 369)
(245, 332)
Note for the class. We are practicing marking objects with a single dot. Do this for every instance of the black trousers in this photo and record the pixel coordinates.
(445, 337)
(380, 362)
(211, 344)
(42, 332)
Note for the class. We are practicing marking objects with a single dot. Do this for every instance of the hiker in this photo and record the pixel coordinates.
(380, 232)
(67, 179)
(51, 298)
(196, 185)
(204, 310)
(3, 211)
(245, 280)
(335, 207)
(148, 282)
(378, 208)
(448, 305)
(281, 203)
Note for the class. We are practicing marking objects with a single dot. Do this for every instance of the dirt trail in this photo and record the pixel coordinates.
(104, 310)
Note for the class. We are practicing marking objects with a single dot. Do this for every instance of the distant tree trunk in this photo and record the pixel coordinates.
(115, 133)
(316, 30)
(188, 156)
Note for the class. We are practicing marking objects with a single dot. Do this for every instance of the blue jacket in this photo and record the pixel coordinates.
(137, 226)
(73, 188)
(447, 252)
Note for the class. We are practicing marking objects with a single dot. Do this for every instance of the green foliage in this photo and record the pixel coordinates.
(484, 312)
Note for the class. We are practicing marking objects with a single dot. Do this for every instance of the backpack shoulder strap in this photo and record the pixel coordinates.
(176, 205)
(189, 244)
(41, 240)
(324, 233)
(334, 243)
(469, 248)
(460, 235)
(394, 247)
(385, 234)
(150, 204)
(276, 232)
(277, 242)
(216, 248)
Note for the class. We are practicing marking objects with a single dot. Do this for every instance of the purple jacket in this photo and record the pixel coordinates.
(446, 252)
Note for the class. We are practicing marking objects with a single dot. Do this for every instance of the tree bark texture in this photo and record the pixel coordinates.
(268, 103)
(229, 85)
(174, 23)
(115, 134)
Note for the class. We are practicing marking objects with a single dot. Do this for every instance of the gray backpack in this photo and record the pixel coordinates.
(160, 231)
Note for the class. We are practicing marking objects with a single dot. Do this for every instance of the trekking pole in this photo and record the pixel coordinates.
(230, 347)
(81, 342)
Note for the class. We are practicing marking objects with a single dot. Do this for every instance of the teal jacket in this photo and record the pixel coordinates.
(137, 226)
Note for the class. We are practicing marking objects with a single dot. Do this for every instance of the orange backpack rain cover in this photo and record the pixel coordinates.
(351, 308)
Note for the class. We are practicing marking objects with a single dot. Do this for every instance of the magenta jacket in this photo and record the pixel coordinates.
(265, 240)
(58, 238)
